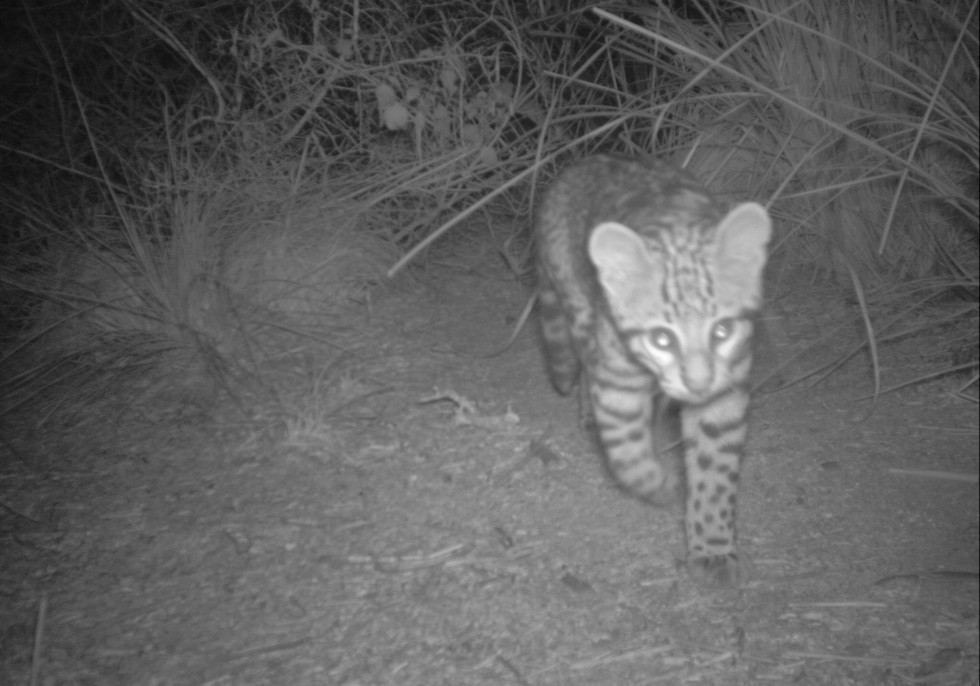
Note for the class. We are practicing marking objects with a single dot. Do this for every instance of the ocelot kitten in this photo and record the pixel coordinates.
(648, 283)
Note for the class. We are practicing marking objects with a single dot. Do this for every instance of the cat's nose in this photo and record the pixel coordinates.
(698, 372)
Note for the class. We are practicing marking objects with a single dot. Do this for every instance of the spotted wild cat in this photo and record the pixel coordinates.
(648, 285)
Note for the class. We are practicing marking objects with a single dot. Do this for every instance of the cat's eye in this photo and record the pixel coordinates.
(661, 339)
(722, 330)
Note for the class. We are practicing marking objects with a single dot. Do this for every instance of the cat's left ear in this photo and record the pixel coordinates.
(741, 242)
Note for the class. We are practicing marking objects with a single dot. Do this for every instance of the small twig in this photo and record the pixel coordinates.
(42, 613)
(955, 430)
(938, 576)
(626, 656)
(16, 513)
(513, 670)
(267, 650)
(465, 411)
(806, 655)
(464, 407)
(934, 474)
(851, 603)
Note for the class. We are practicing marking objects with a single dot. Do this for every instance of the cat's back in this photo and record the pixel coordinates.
(641, 192)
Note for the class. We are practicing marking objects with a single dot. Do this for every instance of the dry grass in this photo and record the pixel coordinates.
(254, 184)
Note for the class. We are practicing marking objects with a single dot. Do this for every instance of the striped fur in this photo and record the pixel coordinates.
(647, 288)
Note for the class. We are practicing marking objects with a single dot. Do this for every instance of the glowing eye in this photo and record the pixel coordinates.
(723, 330)
(661, 339)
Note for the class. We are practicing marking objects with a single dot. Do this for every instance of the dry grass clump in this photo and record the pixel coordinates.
(192, 290)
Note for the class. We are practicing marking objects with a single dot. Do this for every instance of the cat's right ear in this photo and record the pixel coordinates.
(621, 259)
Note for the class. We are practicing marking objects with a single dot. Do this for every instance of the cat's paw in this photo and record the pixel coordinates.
(720, 571)
(670, 492)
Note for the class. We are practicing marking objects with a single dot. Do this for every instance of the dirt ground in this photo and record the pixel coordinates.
(425, 517)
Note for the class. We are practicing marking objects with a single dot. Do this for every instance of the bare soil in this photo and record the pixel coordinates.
(426, 517)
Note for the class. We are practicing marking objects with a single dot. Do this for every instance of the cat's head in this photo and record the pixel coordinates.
(682, 297)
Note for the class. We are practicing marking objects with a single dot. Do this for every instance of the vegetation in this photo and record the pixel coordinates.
(193, 189)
